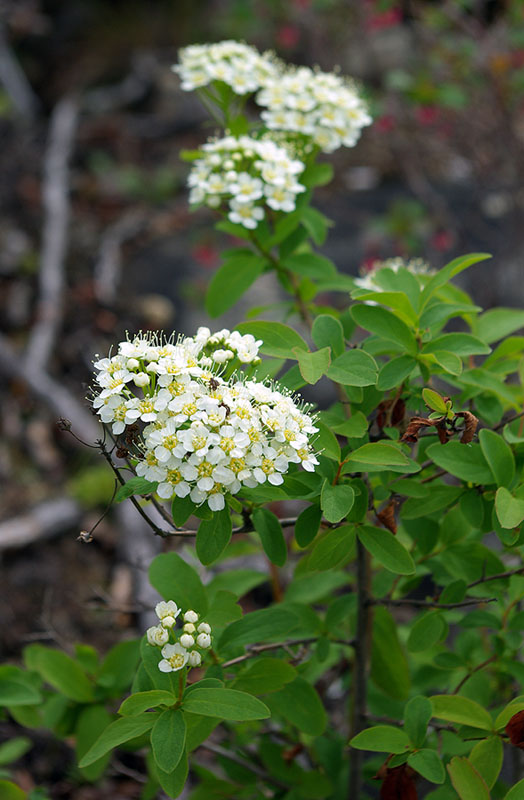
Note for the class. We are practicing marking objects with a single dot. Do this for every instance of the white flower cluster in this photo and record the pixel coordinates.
(320, 105)
(368, 279)
(204, 436)
(247, 174)
(242, 67)
(224, 346)
(177, 654)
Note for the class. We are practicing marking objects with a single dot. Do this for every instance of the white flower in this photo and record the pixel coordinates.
(186, 640)
(238, 65)
(191, 616)
(189, 628)
(203, 640)
(157, 635)
(244, 214)
(195, 659)
(175, 658)
(167, 612)
(204, 628)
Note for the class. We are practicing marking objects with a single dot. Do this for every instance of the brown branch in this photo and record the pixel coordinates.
(257, 649)
(360, 669)
(55, 198)
(472, 672)
(498, 576)
(433, 603)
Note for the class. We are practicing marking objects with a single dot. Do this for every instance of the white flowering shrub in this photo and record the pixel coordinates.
(246, 175)
(391, 649)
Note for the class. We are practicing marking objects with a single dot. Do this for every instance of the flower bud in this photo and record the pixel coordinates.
(168, 621)
(195, 659)
(132, 363)
(186, 640)
(189, 627)
(190, 616)
(157, 636)
(141, 379)
(204, 628)
(204, 640)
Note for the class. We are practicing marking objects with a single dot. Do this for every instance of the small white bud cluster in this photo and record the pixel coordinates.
(178, 653)
(237, 64)
(247, 174)
(205, 437)
(370, 274)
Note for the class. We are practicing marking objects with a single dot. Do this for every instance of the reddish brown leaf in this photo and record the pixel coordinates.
(399, 784)
(443, 434)
(515, 729)
(390, 412)
(470, 426)
(411, 433)
(387, 515)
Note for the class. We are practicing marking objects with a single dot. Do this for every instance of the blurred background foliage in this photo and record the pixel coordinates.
(439, 173)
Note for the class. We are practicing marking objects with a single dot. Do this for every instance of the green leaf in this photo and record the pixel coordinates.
(326, 442)
(265, 675)
(516, 792)
(15, 692)
(336, 501)
(386, 549)
(486, 757)
(66, 675)
(499, 456)
(333, 548)
(417, 714)
(181, 509)
(427, 631)
(509, 509)
(279, 339)
(354, 428)
(172, 577)
(92, 721)
(462, 344)
(225, 704)
(232, 279)
(434, 401)
(317, 175)
(173, 782)
(14, 749)
(466, 462)
(315, 223)
(268, 528)
(213, 536)
(267, 624)
(381, 739)
(120, 731)
(394, 372)
(461, 710)
(428, 764)
(354, 368)
(327, 331)
(389, 666)
(379, 454)
(310, 265)
(498, 323)
(10, 791)
(142, 701)
(448, 361)
(313, 365)
(136, 485)
(118, 668)
(466, 781)
(386, 325)
(223, 609)
(299, 703)
(307, 525)
(168, 739)
(449, 271)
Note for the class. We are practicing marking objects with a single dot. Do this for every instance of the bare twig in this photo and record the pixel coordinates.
(433, 603)
(108, 267)
(41, 522)
(55, 197)
(51, 391)
(257, 649)
(15, 82)
(472, 672)
(360, 670)
(249, 765)
(498, 576)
